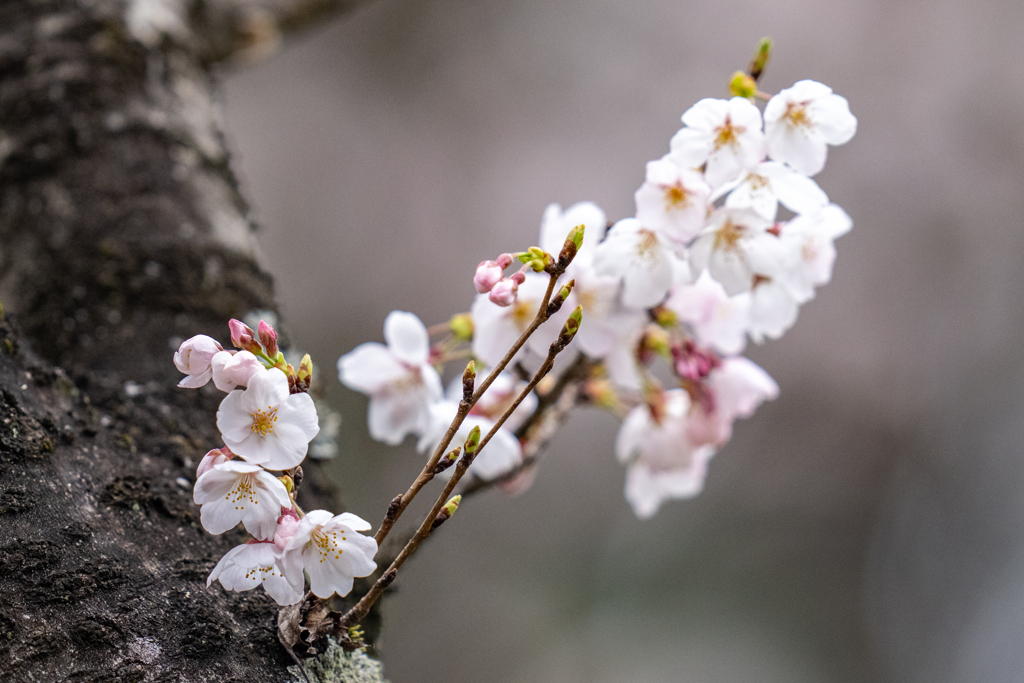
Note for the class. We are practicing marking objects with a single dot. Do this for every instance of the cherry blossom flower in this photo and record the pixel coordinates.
(773, 308)
(234, 369)
(213, 458)
(398, 377)
(717, 319)
(732, 390)
(808, 238)
(663, 462)
(641, 257)
(801, 121)
(724, 134)
(771, 183)
(673, 201)
(736, 246)
(496, 328)
(501, 454)
(234, 492)
(331, 551)
(267, 425)
(258, 564)
(193, 358)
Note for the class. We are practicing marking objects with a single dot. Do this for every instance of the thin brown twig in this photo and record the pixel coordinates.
(354, 615)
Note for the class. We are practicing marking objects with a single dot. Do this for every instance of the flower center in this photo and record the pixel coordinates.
(727, 236)
(522, 312)
(676, 196)
(255, 572)
(727, 135)
(326, 543)
(647, 244)
(243, 491)
(796, 115)
(263, 421)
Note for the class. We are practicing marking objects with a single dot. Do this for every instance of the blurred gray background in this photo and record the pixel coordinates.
(866, 526)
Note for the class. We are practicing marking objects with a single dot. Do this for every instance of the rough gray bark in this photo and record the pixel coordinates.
(121, 230)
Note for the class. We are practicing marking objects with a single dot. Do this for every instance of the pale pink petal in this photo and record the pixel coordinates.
(407, 337)
(369, 368)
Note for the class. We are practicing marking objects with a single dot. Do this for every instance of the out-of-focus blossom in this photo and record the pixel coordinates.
(193, 358)
(808, 238)
(672, 201)
(771, 183)
(498, 397)
(717, 319)
(556, 224)
(773, 308)
(234, 492)
(496, 328)
(732, 390)
(800, 122)
(267, 425)
(331, 551)
(663, 462)
(724, 134)
(258, 564)
(398, 378)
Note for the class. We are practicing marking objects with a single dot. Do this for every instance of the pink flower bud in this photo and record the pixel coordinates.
(488, 274)
(212, 459)
(287, 525)
(693, 363)
(268, 337)
(234, 368)
(193, 358)
(242, 336)
(504, 293)
(505, 260)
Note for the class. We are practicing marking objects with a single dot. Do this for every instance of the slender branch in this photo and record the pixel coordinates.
(399, 504)
(354, 615)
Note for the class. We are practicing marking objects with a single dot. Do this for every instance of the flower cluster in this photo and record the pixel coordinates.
(706, 263)
(267, 421)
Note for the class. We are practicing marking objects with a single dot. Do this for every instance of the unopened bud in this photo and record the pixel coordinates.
(461, 326)
(468, 381)
(305, 371)
(446, 512)
(665, 317)
(488, 274)
(742, 85)
(572, 245)
(448, 460)
(536, 258)
(394, 507)
(288, 482)
(243, 337)
(656, 340)
(268, 337)
(571, 326)
(761, 57)
(559, 298)
(504, 293)
(472, 441)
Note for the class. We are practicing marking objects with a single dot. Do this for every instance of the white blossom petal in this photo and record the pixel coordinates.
(407, 338)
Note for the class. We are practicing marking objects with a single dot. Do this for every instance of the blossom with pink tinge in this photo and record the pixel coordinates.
(662, 461)
(808, 238)
(724, 134)
(193, 358)
(234, 369)
(212, 459)
(488, 274)
(398, 378)
(258, 564)
(331, 551)
(732, 390)
(556, 225)
(266, 424)
(716, 319)
(287, 527)
(234, 492)
(802, 121)
(673, 201)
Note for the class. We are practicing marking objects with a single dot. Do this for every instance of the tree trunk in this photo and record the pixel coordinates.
(122, 231)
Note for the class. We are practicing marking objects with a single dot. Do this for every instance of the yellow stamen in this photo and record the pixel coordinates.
(263, 421)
